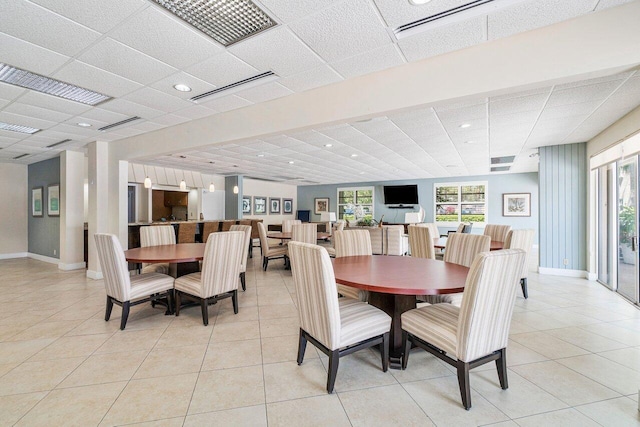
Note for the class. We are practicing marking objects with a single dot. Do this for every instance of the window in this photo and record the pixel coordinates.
(461, 202)
(350, 199)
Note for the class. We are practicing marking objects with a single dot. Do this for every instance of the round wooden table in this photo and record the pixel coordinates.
(287, 235)
(178, 256)
(441, 243)
(394, 281)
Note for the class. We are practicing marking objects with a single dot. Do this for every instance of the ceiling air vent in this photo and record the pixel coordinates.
(457, 14)
(502, 160)
(18, 128)
(237, 86)
(120, 123)
(59, 143)
(262, 179)
(225, 21)
(20, 156)
(500, 168)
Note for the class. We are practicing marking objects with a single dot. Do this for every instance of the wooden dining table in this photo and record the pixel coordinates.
(441, 243)
(393, 283)
(182, 257)
(287, 235)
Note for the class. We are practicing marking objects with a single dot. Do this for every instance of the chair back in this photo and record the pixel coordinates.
(114, 266)
(463, 248)
(226, 224)
(158, 235)
(460, 227)
(307, 233)
(221, 263)
(394, 241)
(467, 228)
(264, 240)
(521, 239)
(352, 243)
(287, 224)
(208, 228)
(246, 229)
(421, 242)
(187, 232)
(316, 292)
(487, 304)
(339, 225)
(497, 232)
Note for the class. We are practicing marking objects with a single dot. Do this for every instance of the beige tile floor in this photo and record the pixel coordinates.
(574, 359)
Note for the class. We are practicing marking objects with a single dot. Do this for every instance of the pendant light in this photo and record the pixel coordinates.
(212, 188)
(147, 180)
(235, 189)
(183, 185)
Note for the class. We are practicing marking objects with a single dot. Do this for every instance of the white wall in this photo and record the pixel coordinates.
(252, 187)
(212, 204)
(13, 215)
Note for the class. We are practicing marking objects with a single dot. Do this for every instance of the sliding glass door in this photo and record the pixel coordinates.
(606, 221)
(628, 229)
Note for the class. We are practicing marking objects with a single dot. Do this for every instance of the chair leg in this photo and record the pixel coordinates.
(177, 297)
(125, 314)
(463, 382)
(265, 262)
(501, 364)
(107, 314)
(334, 359)
(525, 291)
(234, 300)
(243, 281)
(406, 344)
(250, 248)
(384, 351)
(204, 305)
(302, 346)
(170, 301)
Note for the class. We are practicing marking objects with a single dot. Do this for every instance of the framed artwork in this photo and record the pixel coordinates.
(53, 200)
(321, 205)
(246, 205)
(287, 206)
(274, 205)
(516, 204)
(36, 201)
(259, 205)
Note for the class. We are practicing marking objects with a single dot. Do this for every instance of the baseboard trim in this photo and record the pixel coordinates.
(74, 266)
(44, 258)
(95, 275)
(563, 272)
(14, 255)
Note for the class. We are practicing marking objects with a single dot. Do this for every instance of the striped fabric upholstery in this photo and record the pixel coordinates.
(264, 243)
(246, 229)
(208, 228)
(306, 233)
(352, 243)
(156, 236)
(497, 232)
(521, 239)
(187, 232)
(287, 225)
(117, 281)
(220, 266)
(436, 324)
(421, 242)
(394, 240)
(460, 228)
(334, 324)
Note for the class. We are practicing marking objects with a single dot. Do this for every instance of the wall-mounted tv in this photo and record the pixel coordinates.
(400, 194)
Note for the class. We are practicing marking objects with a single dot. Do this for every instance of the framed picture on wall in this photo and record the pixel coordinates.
(321, 205)
(36, 201)
(516, 204)
(53, 200)
(274, 205)
(259, 205)
(287, 206)
(246, 205)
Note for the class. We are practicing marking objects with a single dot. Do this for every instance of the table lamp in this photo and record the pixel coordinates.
(328, 217)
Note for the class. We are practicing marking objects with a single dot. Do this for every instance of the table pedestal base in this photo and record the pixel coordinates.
(394, 306)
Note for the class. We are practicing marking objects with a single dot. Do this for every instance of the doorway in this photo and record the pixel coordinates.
(627, 266)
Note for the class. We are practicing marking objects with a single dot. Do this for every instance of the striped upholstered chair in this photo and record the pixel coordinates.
(352, 243)
(461, 249)
(122, 289)
(219, 276)
(246, 229)
(478, 331)
(269, 253)
(287, 225)
(421, 242)
(336, 326)
(306, 233)
(497, 232)
(521, 239)
(155, 236)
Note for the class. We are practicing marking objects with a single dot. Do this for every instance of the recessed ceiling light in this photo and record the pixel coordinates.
(328, 145)
(419, 2)
(18, 128)
(354, 155)
(469, 142)
(465, 125)
(259, 155)
(291, 162)
(182, 88)
(84, 125)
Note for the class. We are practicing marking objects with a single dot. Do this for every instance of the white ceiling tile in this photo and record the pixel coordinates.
(582, 109)
(28, 56)
(581, 94)
(283, 9)
(343, 30)
(119, 59)
(227, 103)
(605, 4)
(197, 86)
(128, 108)
(52, 30)
(444, 39)
(195, 112)
(77, 131)
(521, 104)
(264, 92)
(278, 50)
(17, 119)
(37, 112)
(101, 115)
(158, 100)
(166, 38)
(310, 79)
(170, 120)
(368, 62)
(90, 77)
(223, 69)
(397, 13)
(535, 14)
(52, 102)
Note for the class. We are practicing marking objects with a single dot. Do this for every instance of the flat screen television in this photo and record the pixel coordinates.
(400, 194)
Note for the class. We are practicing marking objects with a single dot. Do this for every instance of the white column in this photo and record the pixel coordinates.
(98, 201)
(71, 210)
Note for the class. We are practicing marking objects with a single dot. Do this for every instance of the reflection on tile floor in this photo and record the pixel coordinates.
(574, 358)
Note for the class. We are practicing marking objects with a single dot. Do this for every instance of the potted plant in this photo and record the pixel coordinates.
(627, 227)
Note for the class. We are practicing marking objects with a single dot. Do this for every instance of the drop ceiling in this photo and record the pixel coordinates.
(135, 52)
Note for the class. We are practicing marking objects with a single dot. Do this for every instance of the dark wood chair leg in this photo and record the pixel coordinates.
(501, 364)
(266, 263)
(250, 248)
(463, 382)
(384, 351)
(334, 359)
(243, 281)
(302, 346)
(204, 305)
(170, 301)
(107, 314)
(406, 344)
(525, 291)
(234, 300)
(177, 297)
(125, 314)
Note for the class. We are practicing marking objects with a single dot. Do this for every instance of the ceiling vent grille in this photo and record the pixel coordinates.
(20, 156)
(225, 21)
(237, 86)
(500, 168)
(262, 179)
(18, 128)
(28, 80)
(502, 160)
(120, 123)
(457, 14)
(59, 143)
